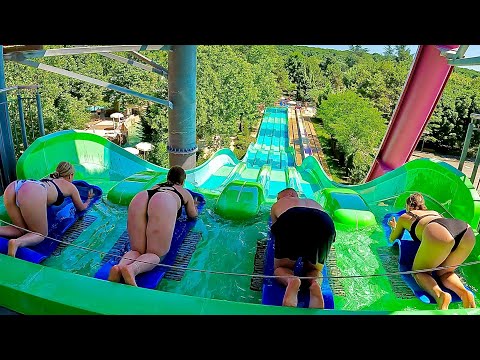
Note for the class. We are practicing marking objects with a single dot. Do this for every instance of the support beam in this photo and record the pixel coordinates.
(461, 51)
(466, 145)
(19, 87)
(11, 48)
(40, 114)
(182, 146)
(148, 61)
(135, 63)
(90, 80)
(21, 116)
(8, 160)
(465, 61)
(20, 55)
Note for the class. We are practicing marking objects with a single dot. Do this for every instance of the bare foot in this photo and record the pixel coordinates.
(444, 300)
(115, 274)
(468, 300)
(128, 275)
(316, 297)
(12, 247)
(290, 298)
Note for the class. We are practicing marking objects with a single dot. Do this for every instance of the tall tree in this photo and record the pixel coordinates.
(389, 52)
(403, 53)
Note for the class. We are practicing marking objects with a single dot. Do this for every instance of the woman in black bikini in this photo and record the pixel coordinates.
(444, 242)
(151, 221)
(26, 202)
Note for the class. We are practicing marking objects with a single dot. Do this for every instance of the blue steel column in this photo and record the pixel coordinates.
(40, 114)
(7, 151)
(182, 84)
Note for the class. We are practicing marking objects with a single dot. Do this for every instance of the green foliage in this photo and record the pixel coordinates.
(356, 127)
(232, 81)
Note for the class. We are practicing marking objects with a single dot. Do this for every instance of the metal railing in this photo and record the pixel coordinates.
(23, 114)
(474, 119)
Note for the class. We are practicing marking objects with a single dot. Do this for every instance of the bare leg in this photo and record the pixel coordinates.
(152, 239)
(435, 247)
(291, 282)
(428, 283)
(137, 222)
(316, 296)
(115, 275)
(14, 213)
(115, 272)
(9, 231)
(136, 227)
(452, 281)
(34, 212)
(291, 292)
(129, 272)
(449, 278)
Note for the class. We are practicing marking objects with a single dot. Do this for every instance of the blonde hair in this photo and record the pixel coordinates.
(64, 169)
(416, 201)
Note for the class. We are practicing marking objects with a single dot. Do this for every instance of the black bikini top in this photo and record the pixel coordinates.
(166, 186)
(415, 223)
(60, 196)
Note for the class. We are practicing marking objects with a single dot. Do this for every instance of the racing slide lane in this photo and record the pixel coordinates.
(121, 175)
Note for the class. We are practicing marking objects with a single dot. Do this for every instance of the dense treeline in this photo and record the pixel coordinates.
(380, 78)
(355, 93)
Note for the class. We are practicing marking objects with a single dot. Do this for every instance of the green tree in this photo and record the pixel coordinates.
(357, 129)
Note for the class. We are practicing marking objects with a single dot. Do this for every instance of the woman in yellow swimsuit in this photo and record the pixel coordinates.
(445, 242)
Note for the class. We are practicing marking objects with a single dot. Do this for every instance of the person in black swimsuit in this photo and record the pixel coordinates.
(444, 242)
(301, 229)
(151, 221)
(26, 202)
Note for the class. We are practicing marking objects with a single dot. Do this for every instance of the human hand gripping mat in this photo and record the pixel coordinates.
(273, 291)
(407, 250)
(150, 279)
(60, 219)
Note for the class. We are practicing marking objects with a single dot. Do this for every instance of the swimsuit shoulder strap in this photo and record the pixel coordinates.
(421, 217)
(412, 214)
(171, 188)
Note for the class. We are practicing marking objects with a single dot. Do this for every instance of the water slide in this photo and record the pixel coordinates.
(423, 88)
(65, 284)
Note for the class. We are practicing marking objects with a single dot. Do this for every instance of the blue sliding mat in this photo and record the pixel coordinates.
(150, 279)
(60, 219)
(408, 249)
(273, 291)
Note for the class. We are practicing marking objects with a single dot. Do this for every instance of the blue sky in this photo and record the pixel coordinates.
(472, 51)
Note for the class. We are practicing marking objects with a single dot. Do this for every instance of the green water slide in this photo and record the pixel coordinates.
(65, 283)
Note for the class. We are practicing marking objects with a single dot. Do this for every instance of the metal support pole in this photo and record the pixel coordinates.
(7, 151)
(40, 115)
(475, 167)
(182, 81)
(22, 121)
(466, 144)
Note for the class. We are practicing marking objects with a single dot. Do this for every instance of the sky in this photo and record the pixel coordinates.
(472, 51)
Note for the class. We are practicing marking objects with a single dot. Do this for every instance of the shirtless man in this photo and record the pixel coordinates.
(301, 229)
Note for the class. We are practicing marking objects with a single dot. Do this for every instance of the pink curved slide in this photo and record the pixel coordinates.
(423, 88)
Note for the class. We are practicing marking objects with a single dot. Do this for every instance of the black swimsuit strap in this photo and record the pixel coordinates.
(170, 187)
(60, 196)
(416, 221)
